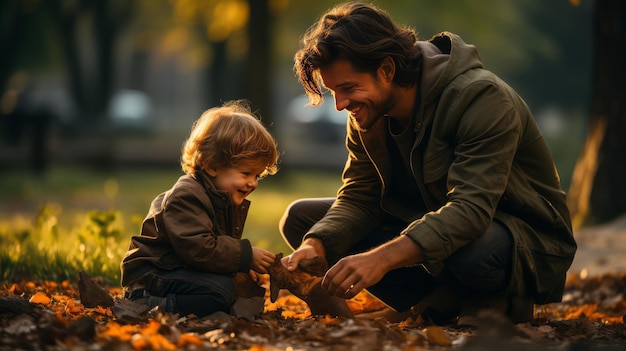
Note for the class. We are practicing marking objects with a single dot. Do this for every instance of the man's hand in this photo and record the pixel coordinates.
(309, 248)
(356, 272)
(352, 274)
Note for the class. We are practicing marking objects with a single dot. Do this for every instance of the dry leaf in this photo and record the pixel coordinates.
(92, 295)
(40, 299)
(438, 336)
(189, 339)
(299, 282)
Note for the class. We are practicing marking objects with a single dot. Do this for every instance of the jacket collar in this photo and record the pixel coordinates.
(207, 183)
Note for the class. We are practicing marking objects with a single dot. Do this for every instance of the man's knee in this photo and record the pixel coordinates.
(300, 216)
(484, 266)
(294, 211)
(480, 278)
(289, 224)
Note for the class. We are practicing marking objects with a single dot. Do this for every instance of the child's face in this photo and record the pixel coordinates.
(239, 181)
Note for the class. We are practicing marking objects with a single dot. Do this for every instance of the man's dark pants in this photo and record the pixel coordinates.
(479, 269)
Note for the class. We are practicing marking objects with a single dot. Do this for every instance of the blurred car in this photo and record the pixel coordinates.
(131, 110)
(313, 137)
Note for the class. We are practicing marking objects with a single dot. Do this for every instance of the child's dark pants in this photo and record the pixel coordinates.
(190, 291)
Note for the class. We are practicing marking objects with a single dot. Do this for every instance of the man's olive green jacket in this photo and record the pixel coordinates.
(478, 156)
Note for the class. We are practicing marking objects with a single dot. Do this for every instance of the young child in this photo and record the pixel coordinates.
(190, 247)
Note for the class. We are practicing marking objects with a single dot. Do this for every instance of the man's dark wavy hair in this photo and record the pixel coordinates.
(362, 34)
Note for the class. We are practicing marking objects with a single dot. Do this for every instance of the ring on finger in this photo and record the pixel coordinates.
(350, 288)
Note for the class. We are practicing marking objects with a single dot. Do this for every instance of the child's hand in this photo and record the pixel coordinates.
(257, 277)
(261, 259)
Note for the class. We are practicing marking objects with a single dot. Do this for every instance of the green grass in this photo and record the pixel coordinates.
(53, 226)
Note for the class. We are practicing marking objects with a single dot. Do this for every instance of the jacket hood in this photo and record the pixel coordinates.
(446, 56)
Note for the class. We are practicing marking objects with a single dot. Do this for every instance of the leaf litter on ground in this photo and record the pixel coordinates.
(53, 316)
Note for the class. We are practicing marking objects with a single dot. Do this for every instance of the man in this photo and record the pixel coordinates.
(450, 201)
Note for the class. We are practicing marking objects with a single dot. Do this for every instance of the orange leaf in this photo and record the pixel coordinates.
(119, 332)
(365, 302)
(14, 289)
(156, 342)
(73, 308)
(50, 286)
(116, 291)
(102, 310)
(139, 343)
(328, 320)
(152, 328)
(189, 339)
(288, 314)
(40, 299)
(60, 298)
(438, 336)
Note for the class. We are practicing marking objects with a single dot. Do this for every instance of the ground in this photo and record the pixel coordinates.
(46, 315)
(601, 249)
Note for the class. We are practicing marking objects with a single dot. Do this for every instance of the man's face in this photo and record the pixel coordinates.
(239, 181)
(366, 96)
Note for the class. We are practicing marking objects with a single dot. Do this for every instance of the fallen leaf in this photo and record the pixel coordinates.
(127, 311)
(187, 339)
(299, 282)
(92, 295)
(40, 299)
(114, 330)
(438, 336)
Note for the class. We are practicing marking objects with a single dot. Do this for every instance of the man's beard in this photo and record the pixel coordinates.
(356, 123)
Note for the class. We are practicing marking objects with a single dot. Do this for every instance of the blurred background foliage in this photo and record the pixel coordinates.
(98, 96)
(94, 71)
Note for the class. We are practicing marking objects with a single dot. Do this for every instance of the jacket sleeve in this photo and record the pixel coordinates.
(481, 122)
(189, 222)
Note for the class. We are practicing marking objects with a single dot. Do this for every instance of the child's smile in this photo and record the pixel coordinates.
(239, 181)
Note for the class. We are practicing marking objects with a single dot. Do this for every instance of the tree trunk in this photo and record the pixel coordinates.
(218, 75)
(598, 192)
(259, 60)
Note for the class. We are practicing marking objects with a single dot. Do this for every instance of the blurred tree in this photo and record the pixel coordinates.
(258, 62)
(12, 24)
(25, 43)
(25, 117)
(598, 192)
(91, 72)
(237, 33)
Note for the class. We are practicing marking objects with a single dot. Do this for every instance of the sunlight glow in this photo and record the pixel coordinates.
(226, 18)
(584, 273)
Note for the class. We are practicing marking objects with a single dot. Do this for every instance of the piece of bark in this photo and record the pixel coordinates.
(18, 305)
(249, 295)
(299, 282)
(248, 307)
(91, 294)
(129, 312)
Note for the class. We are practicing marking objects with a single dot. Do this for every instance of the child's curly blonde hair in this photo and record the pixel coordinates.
(227, 135)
